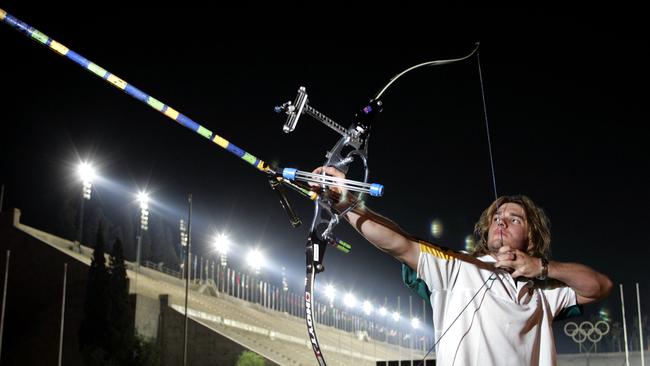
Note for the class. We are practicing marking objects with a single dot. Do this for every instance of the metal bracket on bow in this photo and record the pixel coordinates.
(355, 136)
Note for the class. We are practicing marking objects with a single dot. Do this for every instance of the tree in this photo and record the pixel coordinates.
(115, 233)
(107, 335)
(94, 326)
(121, 331)
(145, 353)
(96, 222)
(248, 358)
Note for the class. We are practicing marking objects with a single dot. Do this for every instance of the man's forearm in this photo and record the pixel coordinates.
(380, 231)
(383, 234)
(587, 283)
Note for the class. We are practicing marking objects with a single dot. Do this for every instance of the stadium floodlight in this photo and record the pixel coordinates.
(86, 172)
(436, 228)
(330, 292)
(349, 300)
(470, 244)
(285, 283)
(143, 199)
(222, 246)
(87, 175)
(396, 316)
(367, 307)
(255, 260)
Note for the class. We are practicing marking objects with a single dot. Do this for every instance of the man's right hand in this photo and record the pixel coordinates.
(329, 170)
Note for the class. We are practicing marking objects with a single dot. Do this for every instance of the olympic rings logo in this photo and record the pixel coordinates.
(586, 330)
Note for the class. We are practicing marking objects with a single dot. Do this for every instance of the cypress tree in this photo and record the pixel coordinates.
(107, 334)
(94, 330)
(121, 338)
(120, 317)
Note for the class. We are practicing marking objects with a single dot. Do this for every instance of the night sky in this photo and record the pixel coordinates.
(565, 96)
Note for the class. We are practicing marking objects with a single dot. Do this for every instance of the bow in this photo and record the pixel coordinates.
(351, 146)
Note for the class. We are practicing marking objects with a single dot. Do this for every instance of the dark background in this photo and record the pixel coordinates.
(564, 91)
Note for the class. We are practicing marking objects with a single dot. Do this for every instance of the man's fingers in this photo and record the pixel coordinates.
(504, 249)
(328, 170)
(334, 172)
(506, 263)
(508, 256)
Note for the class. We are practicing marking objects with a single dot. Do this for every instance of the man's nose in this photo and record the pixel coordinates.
(501, 223)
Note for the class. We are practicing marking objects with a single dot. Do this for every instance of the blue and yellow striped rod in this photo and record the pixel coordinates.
(137, 93)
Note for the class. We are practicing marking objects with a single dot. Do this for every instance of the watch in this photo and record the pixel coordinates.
(544, 275)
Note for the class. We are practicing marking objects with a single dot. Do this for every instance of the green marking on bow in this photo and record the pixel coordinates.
(40, 36)
(97, 70)
(343, 246)
(155, 103)
(204, 132)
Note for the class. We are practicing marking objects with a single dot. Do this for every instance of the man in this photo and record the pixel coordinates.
(495, 307)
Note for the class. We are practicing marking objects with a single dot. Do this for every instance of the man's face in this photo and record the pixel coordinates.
(509, 227)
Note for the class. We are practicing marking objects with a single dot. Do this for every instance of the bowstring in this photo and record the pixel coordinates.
(496, 196)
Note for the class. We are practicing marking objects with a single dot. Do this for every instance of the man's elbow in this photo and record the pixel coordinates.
(605, 287)
(600, 289)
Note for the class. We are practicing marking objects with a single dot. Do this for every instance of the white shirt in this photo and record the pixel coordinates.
(500, 321)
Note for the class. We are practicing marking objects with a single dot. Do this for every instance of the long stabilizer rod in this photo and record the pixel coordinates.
(132, 91)
(152, 102)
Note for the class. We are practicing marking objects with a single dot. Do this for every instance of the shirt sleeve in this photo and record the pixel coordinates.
(417, 285)
(560, 298)
(435, 267)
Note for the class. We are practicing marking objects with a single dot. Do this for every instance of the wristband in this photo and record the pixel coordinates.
(544, 275)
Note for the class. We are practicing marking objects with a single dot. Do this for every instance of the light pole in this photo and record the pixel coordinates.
(143, 198)
(350, 302)
(396, 317)
(330, 293)
(415, 324)
(255, 260)
(285, 289)
(368, 309)
(222, 245)
(87, 174)
(187, 277)
(183, 230)
(382, 312)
